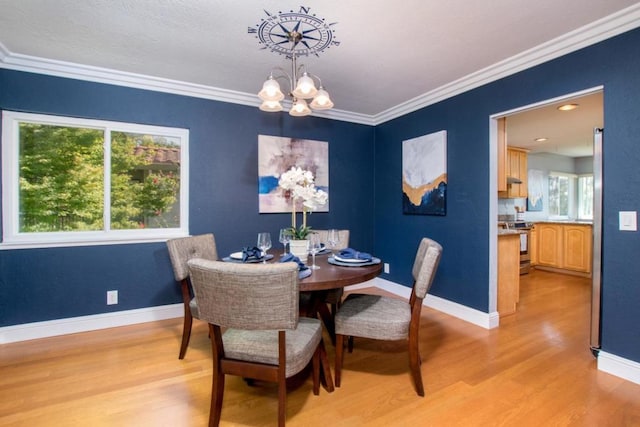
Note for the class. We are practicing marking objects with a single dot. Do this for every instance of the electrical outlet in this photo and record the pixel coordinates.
(386, 267)
(112, 297)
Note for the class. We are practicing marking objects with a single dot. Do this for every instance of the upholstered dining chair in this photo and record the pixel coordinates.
(384, 318)
(181, 250)
(264, 338)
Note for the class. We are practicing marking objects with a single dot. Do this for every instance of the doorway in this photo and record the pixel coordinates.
(547, 135)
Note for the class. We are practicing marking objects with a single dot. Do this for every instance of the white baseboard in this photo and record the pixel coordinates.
(51, 328)
(478, 318)
(618, 366)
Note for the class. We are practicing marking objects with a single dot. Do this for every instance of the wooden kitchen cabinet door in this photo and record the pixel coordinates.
(577, 247)
(549, 242)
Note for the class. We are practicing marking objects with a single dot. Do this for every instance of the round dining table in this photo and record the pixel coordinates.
(331, 276)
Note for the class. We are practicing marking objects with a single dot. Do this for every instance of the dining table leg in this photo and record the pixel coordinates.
(325, 378)
(314, 305)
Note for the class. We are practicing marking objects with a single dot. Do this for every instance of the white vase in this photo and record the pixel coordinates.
(299, 248)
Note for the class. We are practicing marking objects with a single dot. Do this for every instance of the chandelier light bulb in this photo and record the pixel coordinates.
(299, 108)
(322, 100)
(271, 90)
(271, 106)
(305, 88)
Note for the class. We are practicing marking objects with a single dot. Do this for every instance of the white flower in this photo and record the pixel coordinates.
(301, 186)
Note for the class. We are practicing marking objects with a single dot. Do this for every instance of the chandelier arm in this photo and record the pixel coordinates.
(284, 75)
(315, 77)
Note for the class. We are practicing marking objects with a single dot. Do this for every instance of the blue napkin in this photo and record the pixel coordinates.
(293, 258)
(303, 270)
(349, 253)
(248, 253)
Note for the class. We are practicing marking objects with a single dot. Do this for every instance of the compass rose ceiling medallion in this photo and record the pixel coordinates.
(294, 34)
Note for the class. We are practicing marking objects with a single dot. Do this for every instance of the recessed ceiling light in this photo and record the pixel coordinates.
(568, 107)
(540, 139)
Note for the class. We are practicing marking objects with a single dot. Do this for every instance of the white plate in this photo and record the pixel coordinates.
(353, 260)
(236, 255)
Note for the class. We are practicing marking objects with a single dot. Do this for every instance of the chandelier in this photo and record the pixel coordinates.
(304, 89)
(293, 34)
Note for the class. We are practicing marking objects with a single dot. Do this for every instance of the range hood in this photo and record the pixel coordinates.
(513, 180)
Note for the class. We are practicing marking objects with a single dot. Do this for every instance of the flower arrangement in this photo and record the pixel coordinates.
(300, 186)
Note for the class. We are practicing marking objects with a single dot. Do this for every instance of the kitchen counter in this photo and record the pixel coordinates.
(507, 232)
(565, 221)
(508, 271)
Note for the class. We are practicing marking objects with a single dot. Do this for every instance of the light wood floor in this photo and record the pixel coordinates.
(534, 370)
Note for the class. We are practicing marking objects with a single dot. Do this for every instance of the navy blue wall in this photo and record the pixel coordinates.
(44, 284)
(54, 283)
(464, 232)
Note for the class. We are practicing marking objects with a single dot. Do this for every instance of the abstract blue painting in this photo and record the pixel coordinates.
(276, 155)
(424, 174)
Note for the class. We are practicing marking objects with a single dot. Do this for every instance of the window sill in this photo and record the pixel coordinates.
(13, 245)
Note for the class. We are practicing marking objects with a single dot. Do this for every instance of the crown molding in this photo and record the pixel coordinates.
(597, 31)
(4, 52)
(607, 27)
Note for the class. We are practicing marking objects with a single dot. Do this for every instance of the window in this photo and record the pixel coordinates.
(561, 195)
(69, 181)
(585, 197)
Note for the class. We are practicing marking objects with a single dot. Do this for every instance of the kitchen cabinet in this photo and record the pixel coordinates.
(577, 245)
(533, 245)
(549, 244)
(508, 273)
(515, 168)
(565, 247)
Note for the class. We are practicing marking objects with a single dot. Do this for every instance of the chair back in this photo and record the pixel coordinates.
(425, 266)
(343, 238)
(182, 249)
(246, 296)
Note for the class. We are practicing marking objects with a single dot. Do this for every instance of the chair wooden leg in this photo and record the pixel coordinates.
(217, 392)
(339, 356)
(186, 333)
(350, 344)
(282, 402)
(414, 365)
(217, 386)
(315, 362)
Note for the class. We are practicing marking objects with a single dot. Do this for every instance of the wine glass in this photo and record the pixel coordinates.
(264, 244)
(285, 238)
(333, 238)
(314, 247)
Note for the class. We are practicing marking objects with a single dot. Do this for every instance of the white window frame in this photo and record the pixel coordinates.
(12, 238)
(581, 196)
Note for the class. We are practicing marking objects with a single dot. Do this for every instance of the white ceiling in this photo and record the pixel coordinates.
(568, 133)
(392, 57)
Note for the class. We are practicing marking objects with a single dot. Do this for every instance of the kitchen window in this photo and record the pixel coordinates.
(585, 197)
(561, 195)
(70, 181)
